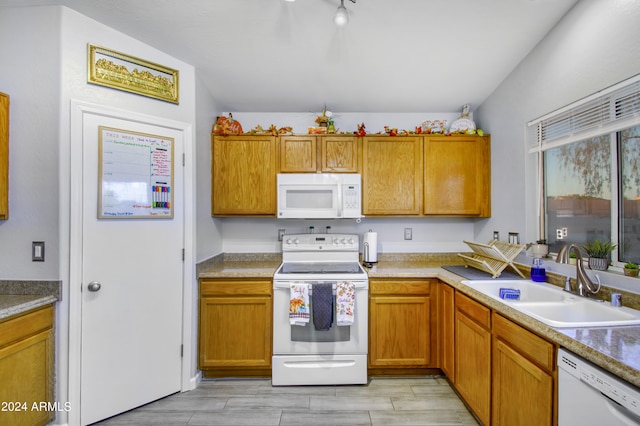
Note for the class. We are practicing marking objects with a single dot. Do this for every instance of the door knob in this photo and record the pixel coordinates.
(94, 286)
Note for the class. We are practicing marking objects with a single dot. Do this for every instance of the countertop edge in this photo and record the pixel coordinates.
(32, 302)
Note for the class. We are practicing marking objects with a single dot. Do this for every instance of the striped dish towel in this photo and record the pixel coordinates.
(299, 304)
(345, 303)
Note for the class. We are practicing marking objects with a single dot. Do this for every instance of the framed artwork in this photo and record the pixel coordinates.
(135, 175)
(117, 70)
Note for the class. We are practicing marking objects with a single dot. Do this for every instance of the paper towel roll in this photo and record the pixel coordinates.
(370, 247)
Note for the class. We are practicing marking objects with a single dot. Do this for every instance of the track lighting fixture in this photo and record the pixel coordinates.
(341, 18)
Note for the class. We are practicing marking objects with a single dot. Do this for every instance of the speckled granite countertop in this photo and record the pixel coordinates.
(17, 297)
(616, 349)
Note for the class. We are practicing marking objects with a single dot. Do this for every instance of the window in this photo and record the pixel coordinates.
(629, 187)
(589, 171)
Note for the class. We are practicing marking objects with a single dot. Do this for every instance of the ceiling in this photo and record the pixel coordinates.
(393, 56)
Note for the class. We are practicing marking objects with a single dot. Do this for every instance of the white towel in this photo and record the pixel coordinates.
(299, 304)
(345, 303)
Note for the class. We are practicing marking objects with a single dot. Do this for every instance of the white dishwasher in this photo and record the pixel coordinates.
(589, 395)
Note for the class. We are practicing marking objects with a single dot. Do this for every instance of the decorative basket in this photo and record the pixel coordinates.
(598, 263)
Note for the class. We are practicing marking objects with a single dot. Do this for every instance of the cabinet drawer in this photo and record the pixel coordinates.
(235, 287)
(525, 342)
(474, 310)
(26, 325)
(399, 287)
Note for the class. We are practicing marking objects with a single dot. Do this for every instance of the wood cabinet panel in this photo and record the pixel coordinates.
(234, 332)
(399, 331)
(26, 366)
(235, 327)
(4, 156)
(522, 391)
(339, 154)
(474, 310)
(298, 154)
(401, 324)
(457, 175)
(472, 358)
(244, 175)
(446, 321)
(535, 347)
(391, 175)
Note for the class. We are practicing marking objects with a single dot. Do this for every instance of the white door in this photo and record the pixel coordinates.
(132, 325)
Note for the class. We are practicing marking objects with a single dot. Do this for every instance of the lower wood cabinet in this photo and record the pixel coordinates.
(473, 355)
(446, 327)
(402, 325)
(235, 327)
(505, 373)
(26, 368)
(523, 376)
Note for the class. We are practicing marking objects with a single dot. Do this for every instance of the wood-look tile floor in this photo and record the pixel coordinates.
(384, 401)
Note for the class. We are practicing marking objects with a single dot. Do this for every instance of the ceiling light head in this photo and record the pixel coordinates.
(341, 17)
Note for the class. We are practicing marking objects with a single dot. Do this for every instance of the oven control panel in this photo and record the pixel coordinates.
(318, 242)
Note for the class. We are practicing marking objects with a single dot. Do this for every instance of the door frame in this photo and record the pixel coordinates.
(189, 374)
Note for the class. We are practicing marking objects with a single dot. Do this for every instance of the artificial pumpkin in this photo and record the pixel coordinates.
(227, 126)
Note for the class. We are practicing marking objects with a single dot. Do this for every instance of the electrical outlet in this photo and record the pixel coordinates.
(496, 235)
(281, 233)
(559, 234)
(408, 233)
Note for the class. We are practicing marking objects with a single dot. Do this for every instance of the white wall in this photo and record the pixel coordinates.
(30, 74)
(45, 69)
(594, 46)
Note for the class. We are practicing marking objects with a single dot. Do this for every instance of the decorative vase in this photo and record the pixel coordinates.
(631, 272)
(598, 263)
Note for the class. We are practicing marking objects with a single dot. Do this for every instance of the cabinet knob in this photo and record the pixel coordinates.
(94, 286)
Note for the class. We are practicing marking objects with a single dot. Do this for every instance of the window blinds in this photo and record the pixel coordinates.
(609, 110)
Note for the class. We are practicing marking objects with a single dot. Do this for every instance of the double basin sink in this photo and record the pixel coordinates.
(554, 306)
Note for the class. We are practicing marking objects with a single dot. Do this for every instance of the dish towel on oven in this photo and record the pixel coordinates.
(346, 303)
(299, 304)
(322, 305)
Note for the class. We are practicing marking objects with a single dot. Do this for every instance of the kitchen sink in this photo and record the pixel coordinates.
(555, 307)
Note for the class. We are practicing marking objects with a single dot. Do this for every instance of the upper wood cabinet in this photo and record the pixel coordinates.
(457, 176)
(311, 153)
(391, 175)
(243, 175)
(298, 154)
(4, 156)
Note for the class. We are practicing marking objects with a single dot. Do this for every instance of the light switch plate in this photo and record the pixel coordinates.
(37, 251)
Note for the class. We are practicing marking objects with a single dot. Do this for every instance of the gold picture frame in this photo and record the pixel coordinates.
(120, 71)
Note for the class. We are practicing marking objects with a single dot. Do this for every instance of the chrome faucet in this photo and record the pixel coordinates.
(583, 281)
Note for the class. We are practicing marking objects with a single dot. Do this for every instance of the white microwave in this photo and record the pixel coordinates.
(319, 196)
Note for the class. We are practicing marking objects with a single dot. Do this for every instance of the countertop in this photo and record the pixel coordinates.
(616, 349)
(17, 297)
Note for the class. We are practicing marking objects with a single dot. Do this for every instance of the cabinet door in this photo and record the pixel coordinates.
(244, 175)
(446, 311)
(339, 154)
(4, 156)
(473, 362)
(522, 391)
(298, 154)
(235, 331)
(391, 175)
(399, 331)
(457, 176)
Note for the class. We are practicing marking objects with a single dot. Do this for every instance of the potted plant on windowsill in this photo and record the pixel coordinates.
(598, 252)
(631, 269)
